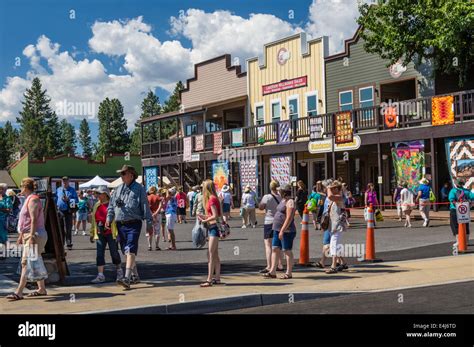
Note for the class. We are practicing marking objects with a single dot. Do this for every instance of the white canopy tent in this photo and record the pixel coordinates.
(118, 181)
(94, 183)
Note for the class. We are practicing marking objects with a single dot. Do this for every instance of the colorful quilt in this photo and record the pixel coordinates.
(442, 110)
(220, 174)
(409, 162)
(280, 169)
(460, 157)
(249, 174)
(344, 131)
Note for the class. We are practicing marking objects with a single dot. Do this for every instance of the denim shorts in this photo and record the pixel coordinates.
(326, 237)
(286, 244)
(225, 208)
(129, 235)
(213, 231)
(267, 231)
(80, 216)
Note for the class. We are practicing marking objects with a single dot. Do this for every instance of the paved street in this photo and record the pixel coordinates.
(244, 250)
(454, 298)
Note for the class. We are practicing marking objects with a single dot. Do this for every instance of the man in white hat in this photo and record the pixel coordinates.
(225, 197)
(249, 202)
(423, 198)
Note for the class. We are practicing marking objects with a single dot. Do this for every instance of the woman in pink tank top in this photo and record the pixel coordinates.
(33, 236)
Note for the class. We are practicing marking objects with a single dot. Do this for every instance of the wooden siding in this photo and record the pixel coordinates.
(214, 83)
(310, 65)
(368, 69)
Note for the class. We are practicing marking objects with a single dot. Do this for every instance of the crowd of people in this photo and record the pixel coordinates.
(116, 220)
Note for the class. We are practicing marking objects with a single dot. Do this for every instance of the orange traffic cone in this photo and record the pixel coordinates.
(304, 241)
(462, 237)
(370, 238)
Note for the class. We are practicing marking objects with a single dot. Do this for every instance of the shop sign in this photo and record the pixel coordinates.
(195, 157)
(283, 56)
(325, 146)
(463, 212)
(285, 85)
(397, 69)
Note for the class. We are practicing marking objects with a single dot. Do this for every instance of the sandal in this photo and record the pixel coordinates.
(171, 248)
(264, 271)
(206, 284)
(149, 248)
(320, 265)
(216, 282)
(157, 249)
(14, 297)
(280, 269)
(35, 294)
(269, 275)
(331, 271)
(286, 277)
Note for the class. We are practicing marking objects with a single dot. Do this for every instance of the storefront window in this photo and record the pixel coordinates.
(312, 104)
(259, 115)
(276, 111)
(213, 125)
(293, 110)
(345, 100)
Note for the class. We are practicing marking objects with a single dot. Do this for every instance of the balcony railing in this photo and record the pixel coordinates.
(411, 113)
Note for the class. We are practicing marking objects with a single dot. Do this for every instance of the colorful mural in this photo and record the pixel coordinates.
(460, 156)
(409, 162)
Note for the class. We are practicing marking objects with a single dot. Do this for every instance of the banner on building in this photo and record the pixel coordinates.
(460, 157)
(285, 85)
(409, 162)
(442, 110)
(315, 128)
(199, 143)
(187, 148)
(284, 132)
(249, 174)
(151, 177)
(220, 173)
(280, 169)
(261, 135)
(237, 137)
(343, 127)
(217, 143)
(390, 117)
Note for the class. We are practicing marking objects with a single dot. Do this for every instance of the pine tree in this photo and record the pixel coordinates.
(36, 113)
(53, 136)
(11, 137)
(113, 134)
(4, 152)
(85, 139)
(68, 137)
(173, 102)
(150, 107)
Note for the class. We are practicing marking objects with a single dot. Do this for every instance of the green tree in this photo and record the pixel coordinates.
(53, 136)
(150, 107)
(68, 137)
(113, 134)
(33, 118)
(439, 31)
(173, 102)
(85, 139)
(11, 142)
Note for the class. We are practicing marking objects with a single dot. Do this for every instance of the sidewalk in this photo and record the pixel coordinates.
(183, 294)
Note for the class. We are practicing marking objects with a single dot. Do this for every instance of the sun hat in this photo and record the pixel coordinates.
(335, 184)
(102, 190)
(128, 168)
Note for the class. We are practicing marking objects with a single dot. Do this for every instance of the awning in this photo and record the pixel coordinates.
(94, 183)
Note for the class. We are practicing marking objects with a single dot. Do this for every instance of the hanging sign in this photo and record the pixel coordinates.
(284, 132)
(325, 146)
(199, 143)
(285, 85)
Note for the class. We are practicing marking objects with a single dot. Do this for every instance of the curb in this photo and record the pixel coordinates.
(224, 304)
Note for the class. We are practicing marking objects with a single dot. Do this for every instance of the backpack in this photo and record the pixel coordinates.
(312, 205)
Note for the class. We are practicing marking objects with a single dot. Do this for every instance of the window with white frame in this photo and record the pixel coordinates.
(293, 110)
(276, 110)
(366, 99)
(311, 104)
(259, 114)
(345, 100)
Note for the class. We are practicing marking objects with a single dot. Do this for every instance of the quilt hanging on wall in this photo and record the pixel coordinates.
(409, 162)
(442, 110)
(460, 157)
(220, 174)
(249, 174)
(280, 169)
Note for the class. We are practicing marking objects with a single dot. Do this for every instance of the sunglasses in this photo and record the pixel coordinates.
(123, 173)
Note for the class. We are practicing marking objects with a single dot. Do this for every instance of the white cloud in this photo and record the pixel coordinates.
(333, 18)
(146, 63)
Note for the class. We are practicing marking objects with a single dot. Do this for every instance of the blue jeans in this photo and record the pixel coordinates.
(102, 243)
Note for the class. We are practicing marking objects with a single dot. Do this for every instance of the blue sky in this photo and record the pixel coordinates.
(124, 48)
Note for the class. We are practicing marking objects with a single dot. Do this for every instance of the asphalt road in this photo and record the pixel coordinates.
(243, 251)
(456, 298)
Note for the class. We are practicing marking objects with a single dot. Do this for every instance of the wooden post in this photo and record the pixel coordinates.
(334, 174)
(379, 157)
(434, 177)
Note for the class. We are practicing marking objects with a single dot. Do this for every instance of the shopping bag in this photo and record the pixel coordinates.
(378, 216)
(35, 269)
(366, 214)
(432, 196)
(199, 235)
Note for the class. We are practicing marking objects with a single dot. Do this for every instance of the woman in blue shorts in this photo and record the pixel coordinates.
(284, 232)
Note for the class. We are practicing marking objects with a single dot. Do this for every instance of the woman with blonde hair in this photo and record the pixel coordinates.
(213, 213)
(33, 237)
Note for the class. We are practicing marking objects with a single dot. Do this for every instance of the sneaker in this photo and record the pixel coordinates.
(75, 233)
(124, 282)
(135, 279)
(244, 227)
(409, 225)
(119, 274)
(98, 279)
(406, 224)
(83, 233)
(424, 224)
(427, 223)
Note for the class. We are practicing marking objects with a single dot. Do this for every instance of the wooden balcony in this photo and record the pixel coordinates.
(411, 114)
